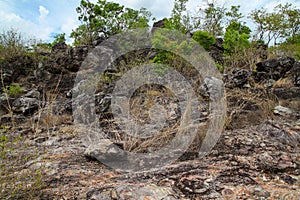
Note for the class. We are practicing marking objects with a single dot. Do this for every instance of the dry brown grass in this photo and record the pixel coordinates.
(140, 106)
(283, 82)
(166, 136)
(249, 106)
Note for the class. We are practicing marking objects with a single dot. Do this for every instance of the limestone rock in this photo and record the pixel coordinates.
(280, 110)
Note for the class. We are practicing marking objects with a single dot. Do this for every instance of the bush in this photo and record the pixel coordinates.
(236, 38)
(12, 44)
(204, 39)
(14, 89)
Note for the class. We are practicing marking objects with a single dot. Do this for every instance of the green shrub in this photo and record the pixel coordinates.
(236, 38)
(220, 67)
(12, 44)
(14, 89)
(204, 39)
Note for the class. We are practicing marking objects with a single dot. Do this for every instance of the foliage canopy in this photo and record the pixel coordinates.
(105, 19)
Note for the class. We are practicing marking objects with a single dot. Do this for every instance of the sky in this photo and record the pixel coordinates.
(42, 19)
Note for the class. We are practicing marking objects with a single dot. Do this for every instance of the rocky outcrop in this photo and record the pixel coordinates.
(28, 103)
(132, 192)
(18, 66)
(237, 78)
(216, 51)
(295, 73)
(63, 58)
(273, 68)
(252, 159)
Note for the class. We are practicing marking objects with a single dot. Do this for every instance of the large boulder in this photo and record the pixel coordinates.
(159, 24)
(288, 97)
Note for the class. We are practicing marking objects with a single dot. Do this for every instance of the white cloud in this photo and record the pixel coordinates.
(69, 25)
(43, 13)
(27, 28)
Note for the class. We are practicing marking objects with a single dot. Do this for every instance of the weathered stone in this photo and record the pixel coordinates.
(99, 195)
(25, 105)
(33, 94)
(103, 102)
(287, 93)
(288, 97)
(216, 51)
(238, 78)
(212, 88)
(42, 75)
(260, 192)
(159, 24)
(28, 103)
(280, 110)
(135, 192)
(273, 68)
(65, 59)
(7, 119)
(105, 150)
(295, 72)
(8, 73)
(59, 46)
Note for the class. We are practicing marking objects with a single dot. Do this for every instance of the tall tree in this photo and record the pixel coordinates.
(59, 38)
(180, 18)
(282, 22)
(258, 16)
(234, 15)
(105, 19)
(213, 19)
(291, 16)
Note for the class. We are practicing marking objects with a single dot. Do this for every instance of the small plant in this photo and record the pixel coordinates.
(14, 89)
(3, 144)
(15, 183)
(220, 67)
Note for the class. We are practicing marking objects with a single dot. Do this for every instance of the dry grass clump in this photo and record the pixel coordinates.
(173, 132)
(248, 107)
(284, 82)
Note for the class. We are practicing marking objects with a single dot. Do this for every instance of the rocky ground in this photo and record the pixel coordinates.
(256, 157)
(257, 162)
